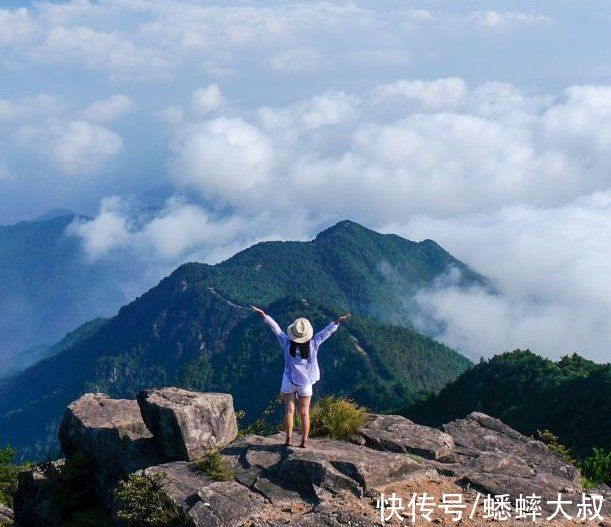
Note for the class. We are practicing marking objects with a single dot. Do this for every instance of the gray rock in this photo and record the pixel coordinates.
(186, 424)
(111, 434)
(181, 483)
(267, 466)
(225, 504)
(208, 503)
(6, 515)
(395, 433)
(497, 459)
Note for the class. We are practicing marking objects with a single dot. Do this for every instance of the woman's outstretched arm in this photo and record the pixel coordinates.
(326, 332)
(281, 335)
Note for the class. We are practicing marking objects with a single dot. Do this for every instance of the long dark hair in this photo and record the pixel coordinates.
(304, 349)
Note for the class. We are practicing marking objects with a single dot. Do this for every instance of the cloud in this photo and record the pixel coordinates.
(205, 100)
(75, 148)
(549, 266)
(456, 151)
(178, 231)
(109, 109)
(495, 20)
(437, 95)
(330, 108)
(107, 232)
(222, 157)
(16, 27)
(99, 50)
(297, 60)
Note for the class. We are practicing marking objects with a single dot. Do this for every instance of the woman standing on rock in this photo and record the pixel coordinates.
(301, 370)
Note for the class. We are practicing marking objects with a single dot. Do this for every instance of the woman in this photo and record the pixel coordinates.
(301, 370)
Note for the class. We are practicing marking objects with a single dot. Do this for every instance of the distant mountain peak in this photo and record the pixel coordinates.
(345, 227)
(52, 214)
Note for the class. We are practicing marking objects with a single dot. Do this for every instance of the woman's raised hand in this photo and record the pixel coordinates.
(258, 310)
(343, 318)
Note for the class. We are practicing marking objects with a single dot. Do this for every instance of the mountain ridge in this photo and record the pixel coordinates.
(192, 327)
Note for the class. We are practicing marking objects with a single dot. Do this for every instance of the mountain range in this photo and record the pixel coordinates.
(195, 330)
(48, 287)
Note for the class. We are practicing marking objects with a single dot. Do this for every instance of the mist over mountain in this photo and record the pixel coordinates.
(48, 286)
(195, 330)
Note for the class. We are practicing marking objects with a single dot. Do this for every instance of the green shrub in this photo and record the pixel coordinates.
(553, 443)
(74, 486)
(337, 418)
(144, 503)
(8, 476)
(596, 469)
(215, 466)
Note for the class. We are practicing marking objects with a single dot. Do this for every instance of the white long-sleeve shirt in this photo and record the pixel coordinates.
(301, 371)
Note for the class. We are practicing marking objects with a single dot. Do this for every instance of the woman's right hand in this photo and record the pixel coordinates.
(258, 310)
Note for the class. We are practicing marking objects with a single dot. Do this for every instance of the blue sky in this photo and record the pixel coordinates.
(485, 125)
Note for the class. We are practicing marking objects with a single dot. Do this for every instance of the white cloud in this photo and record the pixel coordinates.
(205, 100)
(550, 267)
(437, 95)
(223, 157)
(322, 110)
(16, 27)
(99, 50)
(107, 232)
(109, 110)
(73, 147)
(297, 60)
(501, 20)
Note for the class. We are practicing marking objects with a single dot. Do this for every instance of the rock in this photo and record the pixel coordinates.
(6, 515)
(395, 433)
(111, 434)
(32, 503)
(206, 502)
(186, 424)
(497, 459)
(182, 484)
(224, 504)
(280, 473)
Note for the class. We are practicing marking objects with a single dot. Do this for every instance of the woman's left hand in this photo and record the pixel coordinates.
(343, 318)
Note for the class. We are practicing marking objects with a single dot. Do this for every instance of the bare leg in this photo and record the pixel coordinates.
(289, 415)
(303, 406)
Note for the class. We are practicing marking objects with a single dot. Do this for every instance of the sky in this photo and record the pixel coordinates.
(190, 130)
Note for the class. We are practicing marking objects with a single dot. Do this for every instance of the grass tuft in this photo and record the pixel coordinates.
(337, 418)
(216, 466)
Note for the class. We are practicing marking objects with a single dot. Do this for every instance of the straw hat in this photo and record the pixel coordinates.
(300, 330)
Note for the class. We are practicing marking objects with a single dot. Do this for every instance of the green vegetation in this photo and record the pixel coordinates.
(144, 503)
(213, 464)
(596, 469)
(552, 442)
(571, 398)
(8, 476)
(337, 418)
(74, 502)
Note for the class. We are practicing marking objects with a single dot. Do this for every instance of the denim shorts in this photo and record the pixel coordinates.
(302, 390)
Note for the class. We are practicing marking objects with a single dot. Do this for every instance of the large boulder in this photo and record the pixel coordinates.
(497, 459)
(395, 433)
(186, 424)
(111, 434)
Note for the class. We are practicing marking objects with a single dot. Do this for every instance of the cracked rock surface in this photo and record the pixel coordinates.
(331, 483)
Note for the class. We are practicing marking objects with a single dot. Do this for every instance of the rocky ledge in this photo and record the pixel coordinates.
(331, 483)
